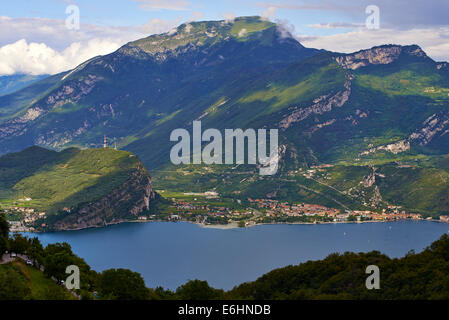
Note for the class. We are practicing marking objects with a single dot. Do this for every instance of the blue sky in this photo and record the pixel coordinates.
(134, 13)
(34, 39)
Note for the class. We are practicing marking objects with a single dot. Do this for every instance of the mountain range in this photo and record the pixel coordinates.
(15, 82)
(359, 130)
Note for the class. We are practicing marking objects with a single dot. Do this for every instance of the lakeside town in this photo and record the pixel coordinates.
(274, 211)
(253, 212)
(22, 219)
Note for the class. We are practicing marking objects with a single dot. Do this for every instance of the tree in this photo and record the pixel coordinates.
(55, 265)
(161, 294)
(4, 233)
(4, 226)
(58, 257)
(122, 284)
(3, 245)
(198, 290)
(19, 243)
(441, 247)
(36, 252)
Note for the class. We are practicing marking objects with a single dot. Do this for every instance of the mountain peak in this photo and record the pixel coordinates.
(384, 54)
(202, 33)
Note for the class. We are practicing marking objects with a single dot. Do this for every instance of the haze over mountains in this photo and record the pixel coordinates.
(381, 115)
(15, 82)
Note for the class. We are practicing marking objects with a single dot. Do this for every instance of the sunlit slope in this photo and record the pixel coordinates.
(75, 181)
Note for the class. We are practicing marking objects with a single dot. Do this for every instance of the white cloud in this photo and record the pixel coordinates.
(38, 58)
(229, 17)
(53, 32)
(434, 41)
(285, 28)
(335, 25)
(177, 5)
(172, 31)
(293, 5)
(196, 16)
(156, 26)
(269, 13)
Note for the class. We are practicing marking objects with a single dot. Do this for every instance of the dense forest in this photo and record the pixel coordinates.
(423, 275)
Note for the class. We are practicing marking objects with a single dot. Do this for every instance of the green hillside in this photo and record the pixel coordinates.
(65, 182)
(19, 281)
(13, 103)
(420, 188)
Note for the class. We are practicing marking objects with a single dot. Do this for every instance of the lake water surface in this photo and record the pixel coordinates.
(168, 254)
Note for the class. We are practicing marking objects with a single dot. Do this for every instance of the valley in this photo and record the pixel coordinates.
(358, 132)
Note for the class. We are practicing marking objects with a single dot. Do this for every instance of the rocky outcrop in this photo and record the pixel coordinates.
(376, 199)
(369, 180)
(434, 126)
(443, 66)
(71, 92)
(377, 55)
(321, 125)
(320, 105)
(395, 148)
(127, 201)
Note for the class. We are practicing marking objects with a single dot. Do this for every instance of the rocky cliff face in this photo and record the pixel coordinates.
(378, 55)
(320, 105)
(127, 201)
(435, 126)
(69, 93)
(395, 148)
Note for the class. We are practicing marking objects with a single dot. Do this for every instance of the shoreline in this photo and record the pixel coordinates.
(229, 226)
(307, 223)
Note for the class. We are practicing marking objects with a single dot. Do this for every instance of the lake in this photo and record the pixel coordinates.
(168, 254)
